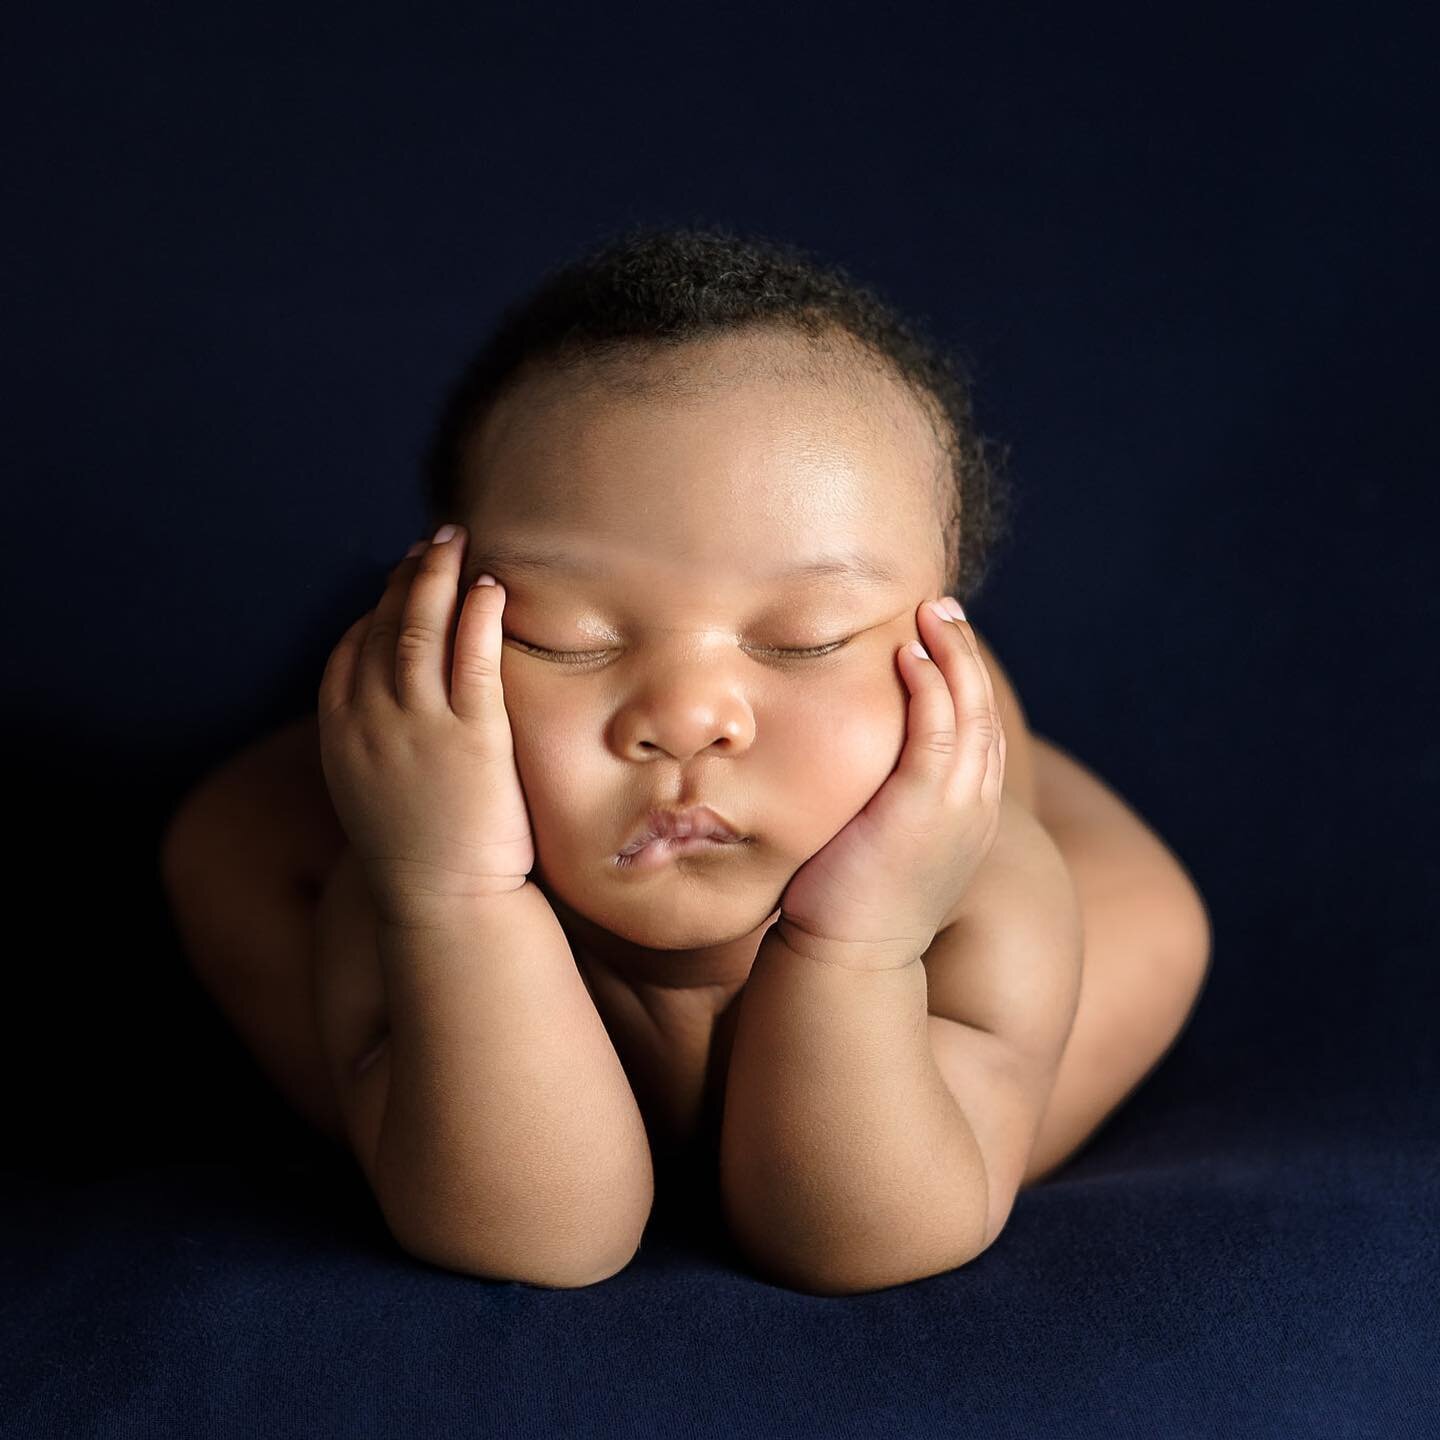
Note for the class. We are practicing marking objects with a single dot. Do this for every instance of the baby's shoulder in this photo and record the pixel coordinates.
(271, 795)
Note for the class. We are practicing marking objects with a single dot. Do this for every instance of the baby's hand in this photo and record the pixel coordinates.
(877, 893)
(417, 749)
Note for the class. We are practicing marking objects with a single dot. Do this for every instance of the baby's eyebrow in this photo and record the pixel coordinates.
(849, 567)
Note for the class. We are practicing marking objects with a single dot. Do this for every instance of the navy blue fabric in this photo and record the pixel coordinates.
(1190, 255)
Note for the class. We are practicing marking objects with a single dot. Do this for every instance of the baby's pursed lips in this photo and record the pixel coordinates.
(695, 821)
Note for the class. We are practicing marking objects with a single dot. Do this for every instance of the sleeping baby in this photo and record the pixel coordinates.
(669, 800)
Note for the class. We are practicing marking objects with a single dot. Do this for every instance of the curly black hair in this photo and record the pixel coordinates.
(648, 287)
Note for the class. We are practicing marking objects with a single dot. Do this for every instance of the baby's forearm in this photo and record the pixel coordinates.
(512, 1145)
(845, 1163)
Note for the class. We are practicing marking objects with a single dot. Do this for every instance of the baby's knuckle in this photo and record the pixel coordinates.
(373, 736)
(359, 746)
(986, 728)
(475, 667)
(414, 635)
(943, 740)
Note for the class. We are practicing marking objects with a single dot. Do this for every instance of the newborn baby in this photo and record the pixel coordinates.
(707, 819)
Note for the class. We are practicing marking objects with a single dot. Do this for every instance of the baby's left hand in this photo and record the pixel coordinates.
(878, 892)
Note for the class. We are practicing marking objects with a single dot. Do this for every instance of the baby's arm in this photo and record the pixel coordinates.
(509, 1141)
(559, 1172)
(877, 1122)
(497, 1129)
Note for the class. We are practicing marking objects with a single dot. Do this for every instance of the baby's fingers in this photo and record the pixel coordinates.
(426, 623)
(981, 737)
(375, 670)
(337, 684)
(475, 690)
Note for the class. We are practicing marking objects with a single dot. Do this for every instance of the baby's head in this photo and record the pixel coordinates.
(643, 449)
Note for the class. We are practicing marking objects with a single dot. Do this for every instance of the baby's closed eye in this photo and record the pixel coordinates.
(578, 657)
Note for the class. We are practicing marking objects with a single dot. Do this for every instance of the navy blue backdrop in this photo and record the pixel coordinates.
(1191, 257)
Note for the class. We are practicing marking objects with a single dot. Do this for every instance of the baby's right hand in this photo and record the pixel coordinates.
(417, 749)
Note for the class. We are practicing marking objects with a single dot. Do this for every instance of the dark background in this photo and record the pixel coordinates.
(1190, 256)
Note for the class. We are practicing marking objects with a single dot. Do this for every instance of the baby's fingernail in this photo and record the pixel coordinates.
(954, 607)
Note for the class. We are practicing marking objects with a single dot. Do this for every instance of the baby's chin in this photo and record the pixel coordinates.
(666, 917)
(681, 934)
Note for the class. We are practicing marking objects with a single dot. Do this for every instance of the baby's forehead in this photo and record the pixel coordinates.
(739, 466)
(794, 572)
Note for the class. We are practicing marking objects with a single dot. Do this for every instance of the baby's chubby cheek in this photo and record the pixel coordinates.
(803, 772)
(829, 773)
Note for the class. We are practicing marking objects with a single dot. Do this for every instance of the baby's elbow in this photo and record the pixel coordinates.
(1185, 932)
(531, 1270)
(875, 1273)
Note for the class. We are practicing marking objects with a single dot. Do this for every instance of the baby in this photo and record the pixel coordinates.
(673, 800)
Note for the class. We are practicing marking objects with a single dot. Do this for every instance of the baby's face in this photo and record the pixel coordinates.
(652, 660)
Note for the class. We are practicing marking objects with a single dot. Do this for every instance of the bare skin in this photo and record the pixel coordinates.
(686, 504)
(686, 500)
